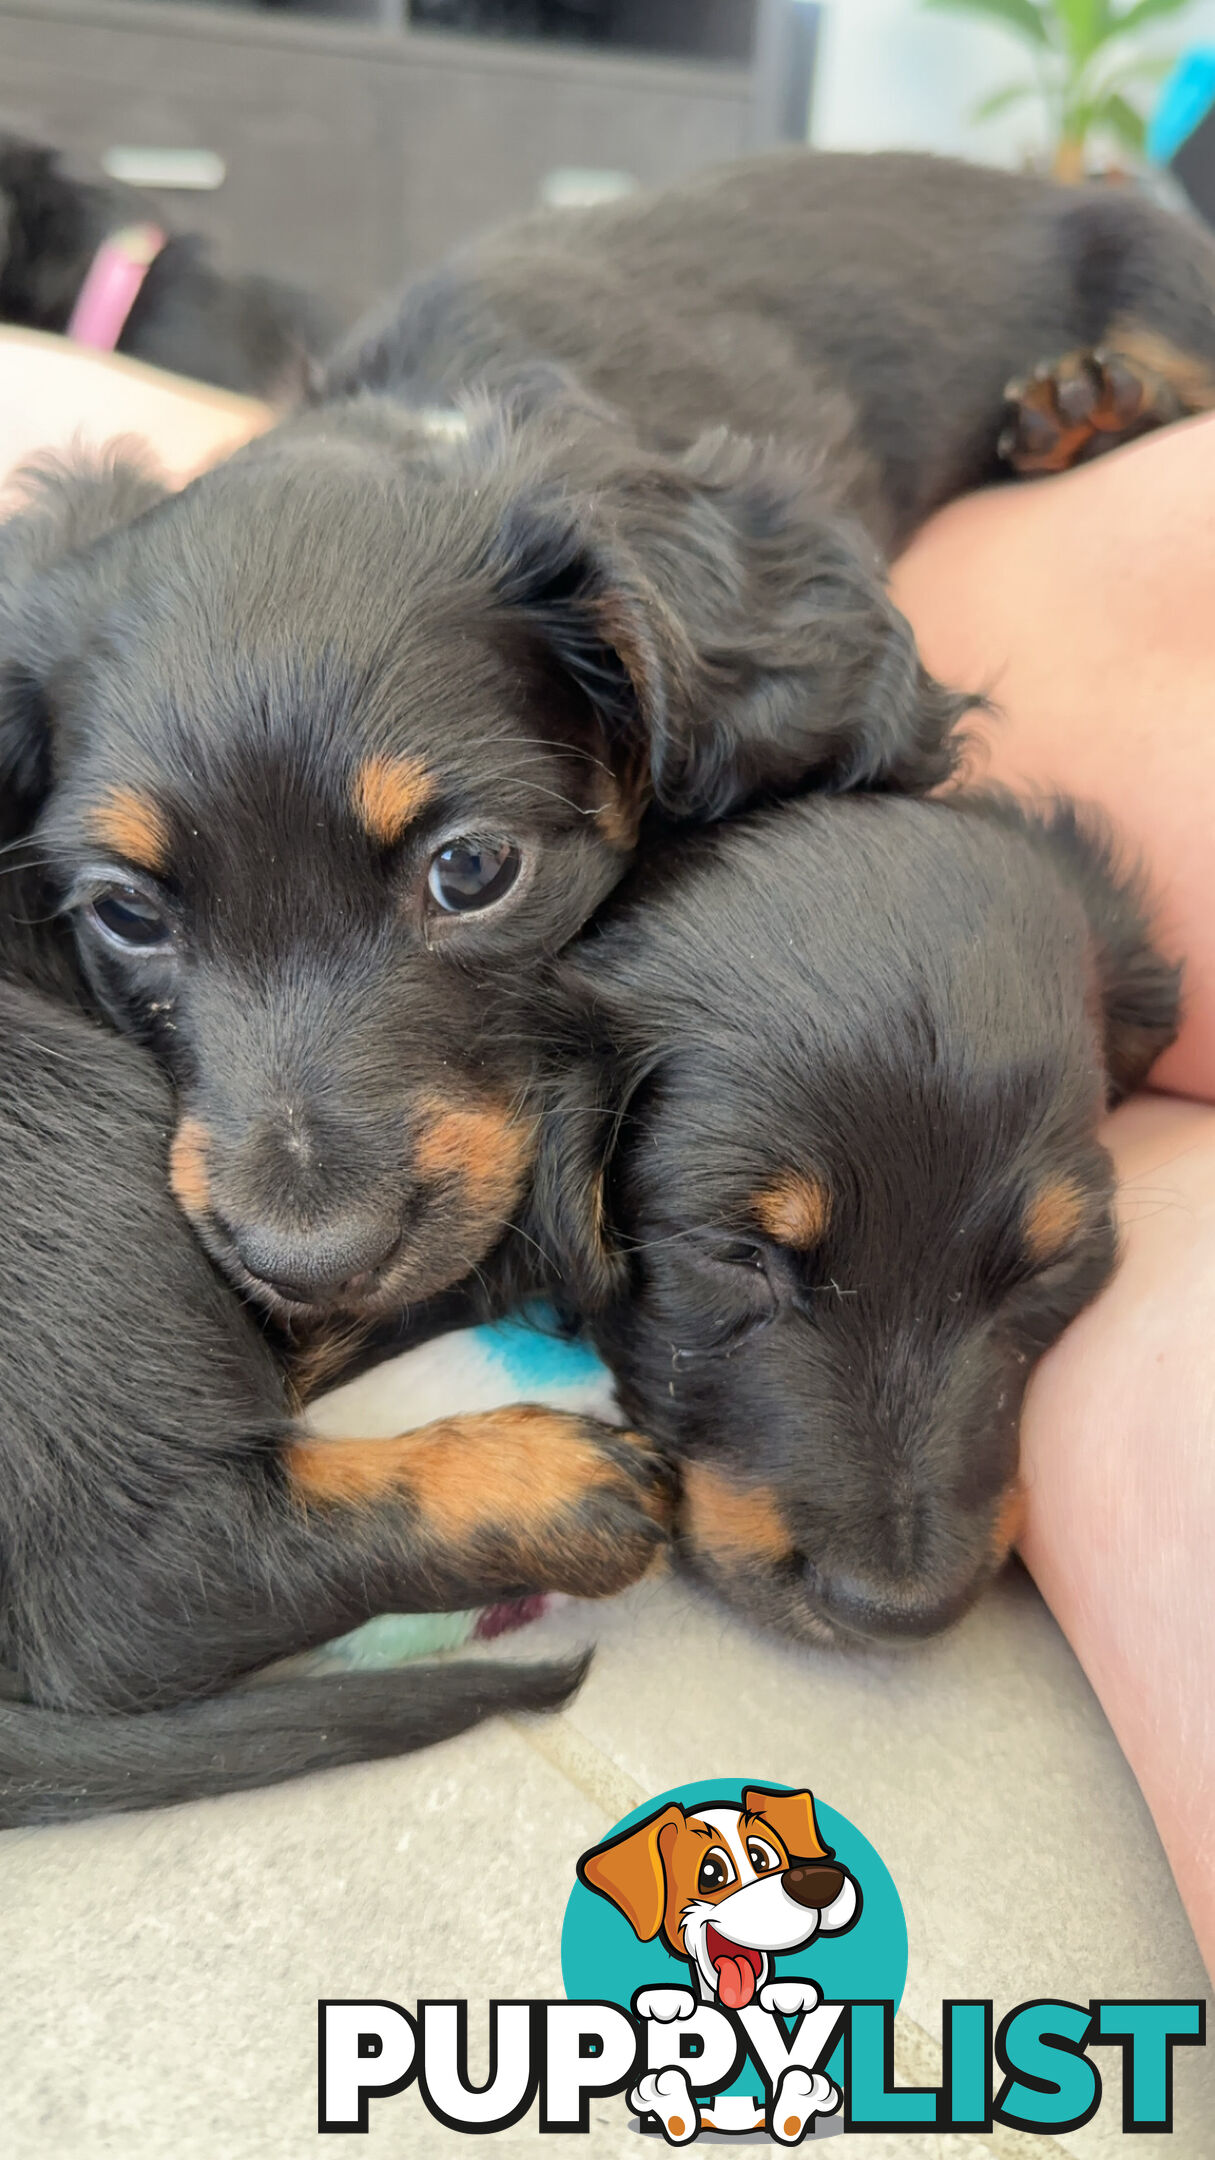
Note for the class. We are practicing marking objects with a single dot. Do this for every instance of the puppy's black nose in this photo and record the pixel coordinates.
(310, 1267)
(881, 1609)
(813, 1883)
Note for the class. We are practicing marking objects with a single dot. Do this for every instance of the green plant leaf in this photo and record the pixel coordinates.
(1122, 120)
(1085, 25)
(1022, 17)
(1000, 100)
(1145, 11)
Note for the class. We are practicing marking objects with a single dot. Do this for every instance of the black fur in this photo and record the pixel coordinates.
(156, 1541)
(248, 334)
(923, 1008)
(578, 610)
(862, 311)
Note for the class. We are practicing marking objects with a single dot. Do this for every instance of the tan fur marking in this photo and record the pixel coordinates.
(795, 1210)
(189, 1177)
(618, 818)
(512, 1472)
(1009, 1523)
(486, 1146)
(1052, 1219)
(389, 793)
(134, 826)
(1191, 378)
(732, 1523)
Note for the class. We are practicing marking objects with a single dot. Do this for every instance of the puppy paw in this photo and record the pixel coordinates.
(665, 2004)
(668, 2095)
(608, 1534)
(800, 2096)
(789, 1997)
(1071, 409)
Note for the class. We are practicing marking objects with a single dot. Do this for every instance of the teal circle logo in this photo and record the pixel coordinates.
(727, 1886)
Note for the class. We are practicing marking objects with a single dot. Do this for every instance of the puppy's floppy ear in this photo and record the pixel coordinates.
(1137, 990)
(63, 510)
(567, 1210)
(733, 632)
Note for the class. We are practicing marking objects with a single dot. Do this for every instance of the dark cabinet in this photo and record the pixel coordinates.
(349, 153)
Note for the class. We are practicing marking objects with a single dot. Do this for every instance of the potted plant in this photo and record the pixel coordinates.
(1087, 60)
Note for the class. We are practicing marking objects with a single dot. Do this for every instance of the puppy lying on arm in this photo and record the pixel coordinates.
(823, 1169)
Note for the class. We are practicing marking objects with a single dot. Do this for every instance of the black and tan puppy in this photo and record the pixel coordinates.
(826, 1174)
(331, 753)
(250, 334)
(166, 1526)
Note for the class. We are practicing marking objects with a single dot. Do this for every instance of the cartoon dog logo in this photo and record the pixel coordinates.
(729, 1887)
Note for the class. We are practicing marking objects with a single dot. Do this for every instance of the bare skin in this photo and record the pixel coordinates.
(1083, 604)
(54, 396)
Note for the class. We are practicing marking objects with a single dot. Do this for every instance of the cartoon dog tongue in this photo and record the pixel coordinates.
(737, 1971)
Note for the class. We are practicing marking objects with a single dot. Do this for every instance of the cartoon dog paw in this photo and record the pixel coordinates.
(668, 2095)
(789, 1997)
(800, 2096)
(665, 2004)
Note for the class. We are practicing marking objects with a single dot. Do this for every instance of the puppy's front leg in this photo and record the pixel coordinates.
(195, 1570)
(515, 1498)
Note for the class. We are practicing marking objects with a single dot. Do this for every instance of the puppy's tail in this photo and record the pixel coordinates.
(62, 1765)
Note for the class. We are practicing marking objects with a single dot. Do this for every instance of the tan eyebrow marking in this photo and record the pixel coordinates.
(133, 825)
(794, 1209)
(1053, 1217)
(389, 792)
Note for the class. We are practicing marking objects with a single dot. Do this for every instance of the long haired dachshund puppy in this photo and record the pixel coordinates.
(331, 753)
(826, 1173)
(165, 1525)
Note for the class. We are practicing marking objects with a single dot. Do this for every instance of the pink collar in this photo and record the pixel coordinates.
(112, 285)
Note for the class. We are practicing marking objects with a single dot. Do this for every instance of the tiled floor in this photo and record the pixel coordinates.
(159, 1973)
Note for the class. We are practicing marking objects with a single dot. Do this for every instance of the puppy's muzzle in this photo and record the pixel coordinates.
(813, 1883)
(338, 1259)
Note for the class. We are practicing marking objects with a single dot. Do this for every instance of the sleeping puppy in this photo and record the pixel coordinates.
(826, 1175)
(166, 1527)
(330, 754)
(248, 334)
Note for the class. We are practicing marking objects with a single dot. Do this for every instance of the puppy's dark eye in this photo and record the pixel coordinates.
(737, 1252)
(715, 1872)
(126, 916)
(471, 874)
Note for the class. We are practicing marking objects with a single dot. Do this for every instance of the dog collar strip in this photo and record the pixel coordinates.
(112, 285)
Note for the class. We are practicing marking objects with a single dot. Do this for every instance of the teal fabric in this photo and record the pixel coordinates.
(535, 1361)
(394, 1638)
(535, 1356)
(1185, 99)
